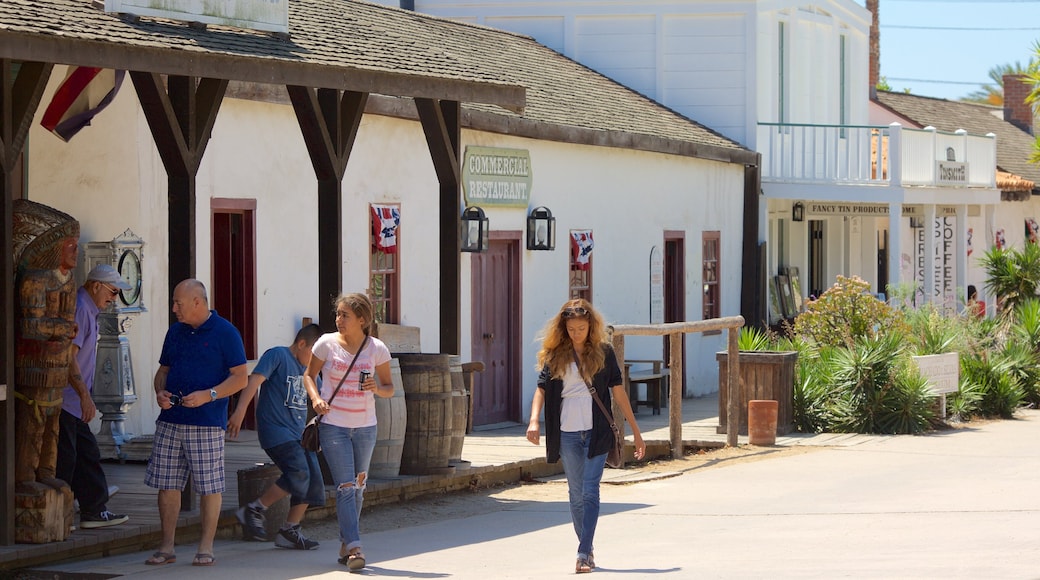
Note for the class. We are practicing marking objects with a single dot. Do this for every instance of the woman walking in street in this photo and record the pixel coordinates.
(349, 360)
(574, 355)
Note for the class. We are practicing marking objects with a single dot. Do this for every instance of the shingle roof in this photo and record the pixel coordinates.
(1014, 146)
(402, 53)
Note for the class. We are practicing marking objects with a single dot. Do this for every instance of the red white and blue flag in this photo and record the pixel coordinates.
(85, 92)
(581, 248)
(385, 219)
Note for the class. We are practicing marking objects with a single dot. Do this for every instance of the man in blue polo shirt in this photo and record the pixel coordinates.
(203, 362)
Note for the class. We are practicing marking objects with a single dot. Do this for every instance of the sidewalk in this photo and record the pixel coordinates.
(499, 455)
(949, 505)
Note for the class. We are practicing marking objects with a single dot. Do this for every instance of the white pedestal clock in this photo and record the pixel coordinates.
(114, 388)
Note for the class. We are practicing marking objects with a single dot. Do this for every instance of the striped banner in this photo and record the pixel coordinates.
(85, 92)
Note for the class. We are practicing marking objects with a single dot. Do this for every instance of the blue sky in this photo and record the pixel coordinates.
(1008, 32)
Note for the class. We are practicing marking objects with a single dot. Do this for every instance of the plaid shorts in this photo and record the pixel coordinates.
(180, 449)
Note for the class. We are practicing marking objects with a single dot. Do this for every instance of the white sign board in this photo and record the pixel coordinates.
(942, 371)
(656, 286)
(266, 15)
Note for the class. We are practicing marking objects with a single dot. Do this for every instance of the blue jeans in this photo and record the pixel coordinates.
(583, 477)
(348, 451)
(301, 473)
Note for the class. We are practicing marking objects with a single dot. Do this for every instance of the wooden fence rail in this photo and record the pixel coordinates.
(732, 325)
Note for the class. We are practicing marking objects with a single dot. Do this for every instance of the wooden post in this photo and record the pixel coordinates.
(735, 388)
(675, 382)
(619, 351)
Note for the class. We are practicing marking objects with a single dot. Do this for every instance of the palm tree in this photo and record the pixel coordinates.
(994, 94)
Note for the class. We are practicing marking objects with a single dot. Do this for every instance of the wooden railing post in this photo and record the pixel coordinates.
(619, 351)
(675, 384)
(735, 389)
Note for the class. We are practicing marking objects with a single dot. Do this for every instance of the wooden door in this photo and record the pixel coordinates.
(675, 290)
(233, 288)
(496, 330)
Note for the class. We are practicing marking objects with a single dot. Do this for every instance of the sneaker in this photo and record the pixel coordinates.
(254, 524)
(294, 539)
(101, 520)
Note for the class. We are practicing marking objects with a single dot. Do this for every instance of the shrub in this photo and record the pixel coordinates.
(845, 313)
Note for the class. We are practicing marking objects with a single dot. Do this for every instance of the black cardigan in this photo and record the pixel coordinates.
(602, 437)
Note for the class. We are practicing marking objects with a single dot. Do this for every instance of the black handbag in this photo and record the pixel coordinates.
(616, 454)
(310, 440)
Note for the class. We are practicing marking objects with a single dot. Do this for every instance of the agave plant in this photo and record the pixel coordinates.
(753, 339)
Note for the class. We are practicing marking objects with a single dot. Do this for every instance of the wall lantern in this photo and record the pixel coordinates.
(798, 212)
(541, 229)
(473, 230)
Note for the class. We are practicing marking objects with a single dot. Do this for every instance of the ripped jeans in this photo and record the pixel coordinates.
(348, 451)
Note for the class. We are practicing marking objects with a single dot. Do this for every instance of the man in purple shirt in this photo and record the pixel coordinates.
(79, 460)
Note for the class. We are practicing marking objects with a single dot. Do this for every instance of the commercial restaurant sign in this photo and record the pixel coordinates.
(496, 176)
(266, 15)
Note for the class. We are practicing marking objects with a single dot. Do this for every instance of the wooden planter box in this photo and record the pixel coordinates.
(764, 375)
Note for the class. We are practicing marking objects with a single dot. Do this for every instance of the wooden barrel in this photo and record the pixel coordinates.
(391, 418)
(459, 411)
(426, 382)
(252, 483)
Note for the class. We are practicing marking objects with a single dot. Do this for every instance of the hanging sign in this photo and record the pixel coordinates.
(496, 176)
(656, 286)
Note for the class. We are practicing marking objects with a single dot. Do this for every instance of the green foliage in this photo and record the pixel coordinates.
(753, 339)
(1012, 275)
(993, 94)
(845, 313)
(994, 377)
(932, 333)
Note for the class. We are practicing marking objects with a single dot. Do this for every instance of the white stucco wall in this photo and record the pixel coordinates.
(110, 177)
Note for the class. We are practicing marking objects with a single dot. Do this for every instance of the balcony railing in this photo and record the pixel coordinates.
(865, 154)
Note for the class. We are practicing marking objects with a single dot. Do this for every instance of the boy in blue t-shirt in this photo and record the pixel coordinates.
(281, 414)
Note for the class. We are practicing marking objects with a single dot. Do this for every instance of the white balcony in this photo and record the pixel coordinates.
(853, 154)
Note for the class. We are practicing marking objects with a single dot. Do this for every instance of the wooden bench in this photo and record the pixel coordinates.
(656, 380)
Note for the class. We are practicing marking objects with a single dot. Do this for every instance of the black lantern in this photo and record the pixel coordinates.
(473, 230)
(798, 212)
(541, 229)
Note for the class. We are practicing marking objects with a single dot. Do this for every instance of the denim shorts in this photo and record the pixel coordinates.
(301, 474)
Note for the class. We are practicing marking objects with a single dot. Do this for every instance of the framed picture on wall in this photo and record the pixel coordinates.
(783, 286)
(796, 287)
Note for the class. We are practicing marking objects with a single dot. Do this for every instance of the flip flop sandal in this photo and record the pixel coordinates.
(161, 558)
(356, 561)
(582, 566)
(203, 560)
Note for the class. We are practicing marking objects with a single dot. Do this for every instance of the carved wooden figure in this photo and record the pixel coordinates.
(46, 246)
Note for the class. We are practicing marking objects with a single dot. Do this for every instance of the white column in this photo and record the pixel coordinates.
(895, 244)
(984, 246)
(961, 252)
(930, 232)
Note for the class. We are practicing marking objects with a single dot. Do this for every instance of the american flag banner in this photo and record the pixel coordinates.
(581, 248)
(85, 92)
(385, 219)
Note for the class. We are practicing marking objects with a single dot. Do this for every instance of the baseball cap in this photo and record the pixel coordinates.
(108, 275)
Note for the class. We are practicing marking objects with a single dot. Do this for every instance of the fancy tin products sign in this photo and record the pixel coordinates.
(496, 176)
(266, 15)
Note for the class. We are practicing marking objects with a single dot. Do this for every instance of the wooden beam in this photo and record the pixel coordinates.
(329, 120)
(259, 67)
(21, 90)
(441, 123)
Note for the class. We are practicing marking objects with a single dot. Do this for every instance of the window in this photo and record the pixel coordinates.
(580, 283)
(384, 274)
(710, 275)
(843, 82)
(782, 73)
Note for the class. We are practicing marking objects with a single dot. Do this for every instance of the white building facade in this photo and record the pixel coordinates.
(789, 80)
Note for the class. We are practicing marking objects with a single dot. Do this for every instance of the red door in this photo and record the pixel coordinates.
(675, 290)
(496, 330)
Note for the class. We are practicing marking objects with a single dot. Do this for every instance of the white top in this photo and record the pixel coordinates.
(576, 412)
(352, 407)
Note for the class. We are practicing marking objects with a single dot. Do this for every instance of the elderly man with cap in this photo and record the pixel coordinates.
(79, 460)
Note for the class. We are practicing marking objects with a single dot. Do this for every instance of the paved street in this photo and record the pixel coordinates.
(958, 504)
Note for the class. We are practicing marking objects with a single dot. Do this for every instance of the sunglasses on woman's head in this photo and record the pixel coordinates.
(574, 312)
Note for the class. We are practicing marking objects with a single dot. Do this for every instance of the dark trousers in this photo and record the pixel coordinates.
(79, 464)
